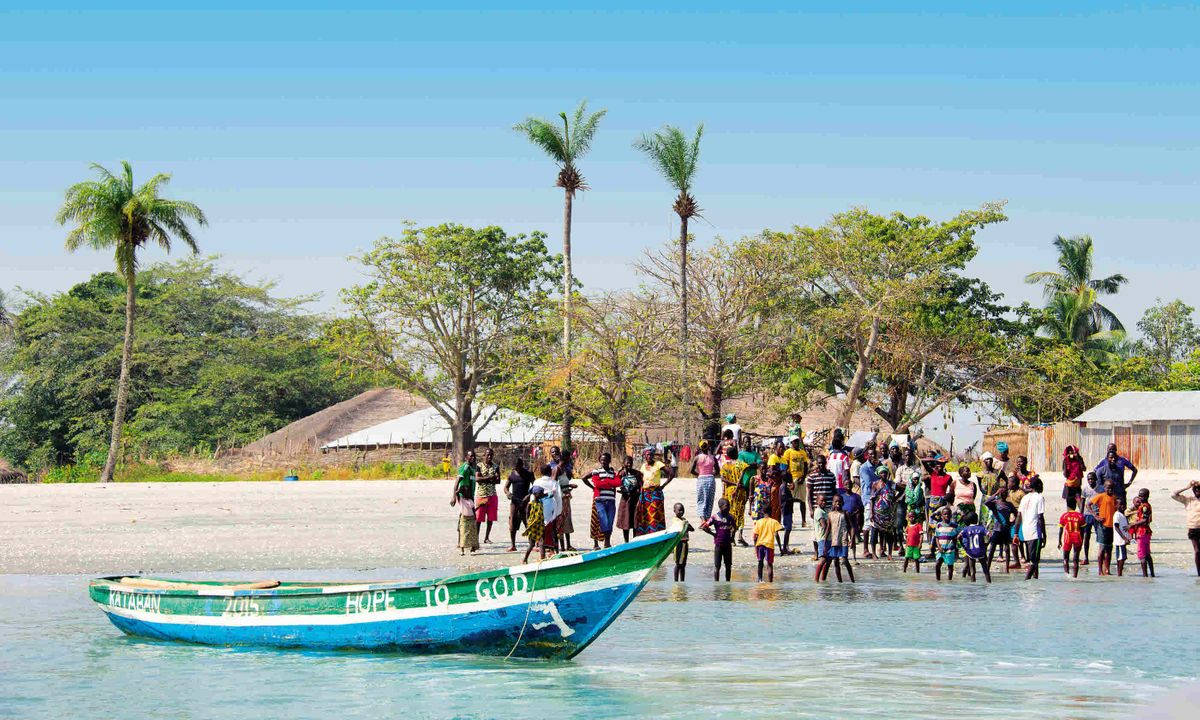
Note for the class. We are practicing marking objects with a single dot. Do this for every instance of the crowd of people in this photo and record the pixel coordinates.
(880, 501)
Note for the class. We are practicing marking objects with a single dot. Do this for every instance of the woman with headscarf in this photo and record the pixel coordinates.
(630, 492)
(656, 475)
(735, 492)
(1073, 469)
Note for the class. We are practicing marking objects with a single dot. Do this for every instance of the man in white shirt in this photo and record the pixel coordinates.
(1031, 517)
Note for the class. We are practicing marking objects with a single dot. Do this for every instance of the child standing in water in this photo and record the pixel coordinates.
(1120, 533)
(945, 545)
(912, 542)
(681, 550)
(722, 527)
(1140, 529)
(973, 541)
(1070, 535)
(765, 528)
(839, 535)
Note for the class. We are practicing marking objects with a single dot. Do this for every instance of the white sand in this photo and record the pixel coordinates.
(171, 527)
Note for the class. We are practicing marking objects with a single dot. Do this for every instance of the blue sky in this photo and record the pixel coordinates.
(306, 133)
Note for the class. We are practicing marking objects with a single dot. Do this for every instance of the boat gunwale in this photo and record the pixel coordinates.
(297, 589)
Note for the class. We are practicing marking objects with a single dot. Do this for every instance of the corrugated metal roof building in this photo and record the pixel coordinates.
(1152, 429)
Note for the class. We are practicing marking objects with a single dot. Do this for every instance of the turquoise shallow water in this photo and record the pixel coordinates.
(894, 647)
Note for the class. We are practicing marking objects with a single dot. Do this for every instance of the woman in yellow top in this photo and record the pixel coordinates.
(735, 492)
(656, 475)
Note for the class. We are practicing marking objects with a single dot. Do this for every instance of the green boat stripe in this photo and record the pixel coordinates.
(238, 618)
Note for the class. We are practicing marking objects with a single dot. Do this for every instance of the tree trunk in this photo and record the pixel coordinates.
(860, 376)
(568, 282)
(684, 383)
(616, 445)
(114, 445)
(463, 431)
(714, 394)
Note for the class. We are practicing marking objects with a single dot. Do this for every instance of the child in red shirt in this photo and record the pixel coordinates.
(1140, 529)
(1070, 535)
(912, 542)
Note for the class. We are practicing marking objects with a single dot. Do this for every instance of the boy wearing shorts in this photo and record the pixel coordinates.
(945, 545)
(973, 541)
(765, 528)
(1120, 536)
(1070, 535)
(821, 535)
(839, 538)
(912, 542)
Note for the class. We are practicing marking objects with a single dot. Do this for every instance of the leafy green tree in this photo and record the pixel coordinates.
(565, 145)
(859, 276)
(443, 314)
(113, 213)
(676, 158)
(217, 362)
(1074, 278)
(1170, 333)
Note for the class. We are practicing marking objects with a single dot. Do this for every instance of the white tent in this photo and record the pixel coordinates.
(427, 426)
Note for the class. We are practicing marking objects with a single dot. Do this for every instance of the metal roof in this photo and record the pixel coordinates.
(428, 426)
(1145, 406)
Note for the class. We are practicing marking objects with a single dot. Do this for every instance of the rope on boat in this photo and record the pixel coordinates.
(528, 607)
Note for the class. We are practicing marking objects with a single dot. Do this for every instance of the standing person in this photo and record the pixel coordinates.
(516, 489)
(914, 487)
(1113, 467)
(734, 492)
(794, 430)
(1001, 518)
(760, 498)
(604, 483)
(1120, 530)
(727, 441)
(945, 544)
(1016, 493)
(1073, 469)
(798, 462)
(1191, 509)
(939, 491)
(631, 493)
(1070, 535)
(681, 548)
(446, 464)
(750, 458)
(1031, 515)
(838, 460)
(821, 531)
(1004, 464)
(988, 479)
(883, 515)
(464, 498)
(552, 508)
(704, 468)
(973, 540)
(721, 526)
(656, 475)
(561, 472)
(863, 472)
(535, 521)
(487, 503)
(1106, 507)
(839, 536)
(786, 504)
(821, 486)
(852, 505)
(765, 528)
(1091, 523)
(912, 542)
(1143, 515)
(964, 490)
(732, 427)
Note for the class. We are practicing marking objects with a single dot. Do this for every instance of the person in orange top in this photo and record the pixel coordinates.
(1070, 524)
(1106, 506)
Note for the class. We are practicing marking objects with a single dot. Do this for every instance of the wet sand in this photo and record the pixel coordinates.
(173, 527)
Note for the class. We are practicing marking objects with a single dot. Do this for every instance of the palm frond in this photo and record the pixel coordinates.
(1109, 285)
(580, 140)
(547, 137)
(673, 155)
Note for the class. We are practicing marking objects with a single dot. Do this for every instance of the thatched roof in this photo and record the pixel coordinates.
(10, 474)
(362, 411)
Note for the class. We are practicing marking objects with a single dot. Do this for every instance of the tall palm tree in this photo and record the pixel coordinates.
(112, 213)
(565, 145)
(676, 157)
(1068, 319)
(1074, 277)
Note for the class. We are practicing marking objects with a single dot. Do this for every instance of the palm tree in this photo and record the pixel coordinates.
(1068, 318)
(565, 145)
(1074, 277)
(112, 213)
(676, 158)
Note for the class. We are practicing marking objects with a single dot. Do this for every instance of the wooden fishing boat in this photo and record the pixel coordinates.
(549, 609)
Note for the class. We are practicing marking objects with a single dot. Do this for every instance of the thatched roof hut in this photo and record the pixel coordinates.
(10, 474)
(308, 434)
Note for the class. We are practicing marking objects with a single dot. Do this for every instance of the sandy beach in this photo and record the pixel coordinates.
(248, 526)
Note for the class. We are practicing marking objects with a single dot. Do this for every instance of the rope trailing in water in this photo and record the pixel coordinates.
(528, 607)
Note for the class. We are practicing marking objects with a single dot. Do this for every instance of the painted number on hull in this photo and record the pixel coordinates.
(241, 607)
(501, 587)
